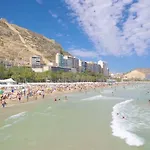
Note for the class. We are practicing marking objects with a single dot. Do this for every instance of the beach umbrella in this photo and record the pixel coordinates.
(1, 92)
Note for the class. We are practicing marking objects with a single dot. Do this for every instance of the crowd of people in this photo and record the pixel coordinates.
(25, 93)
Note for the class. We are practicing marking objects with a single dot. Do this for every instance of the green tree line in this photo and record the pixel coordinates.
(25, 74)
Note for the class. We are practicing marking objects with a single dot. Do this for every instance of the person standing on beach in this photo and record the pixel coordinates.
(27, 97)
(24, 92)
(43, 94)
(3, 103)
(36, 95)
(19, 97)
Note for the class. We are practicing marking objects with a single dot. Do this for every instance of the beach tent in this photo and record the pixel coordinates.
(10, 80)
(7, 81)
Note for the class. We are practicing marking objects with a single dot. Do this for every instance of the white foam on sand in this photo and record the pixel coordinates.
(121, 128)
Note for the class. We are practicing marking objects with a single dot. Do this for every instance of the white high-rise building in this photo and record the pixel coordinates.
(71, 62)
(82, 66)
(59, 60)
(97, 68)
(76, 63)
(93, 67)
(104, 67)
(68, 61)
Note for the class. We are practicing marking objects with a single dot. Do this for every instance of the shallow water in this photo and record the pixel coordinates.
(87, 121)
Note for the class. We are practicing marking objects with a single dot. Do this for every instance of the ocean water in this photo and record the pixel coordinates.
(109, 119)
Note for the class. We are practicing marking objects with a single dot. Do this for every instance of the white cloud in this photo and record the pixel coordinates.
(53, 14)
(39, 2)
(59, 21)
(99, 19)
(59, 35)
(83, 53)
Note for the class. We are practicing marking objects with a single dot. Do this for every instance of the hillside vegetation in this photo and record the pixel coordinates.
(18, 44)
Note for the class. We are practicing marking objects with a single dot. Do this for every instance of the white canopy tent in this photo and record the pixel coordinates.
(7, 81)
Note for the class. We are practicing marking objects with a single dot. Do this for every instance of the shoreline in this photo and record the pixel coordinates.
(39, 91)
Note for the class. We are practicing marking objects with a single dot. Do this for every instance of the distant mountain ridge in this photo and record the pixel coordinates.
(18, 44)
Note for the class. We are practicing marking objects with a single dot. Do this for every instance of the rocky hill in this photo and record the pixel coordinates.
(139, 73)
(144, 70)
(18, 44)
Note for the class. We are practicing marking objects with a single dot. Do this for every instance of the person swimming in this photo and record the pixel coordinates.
(113, 93)
(55, 99)
(66, 98)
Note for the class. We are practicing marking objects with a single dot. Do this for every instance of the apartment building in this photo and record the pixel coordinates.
(59, 60)
(35, 62)
(104, 67)
(81, 66)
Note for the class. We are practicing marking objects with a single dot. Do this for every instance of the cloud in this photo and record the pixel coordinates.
(68, 42)
(39, 2)
(59, 35)
(59, 20)
(53, 14)
(116, 27)
(83, 53)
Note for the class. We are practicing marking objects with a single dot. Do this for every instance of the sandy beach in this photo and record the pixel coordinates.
(14, 94)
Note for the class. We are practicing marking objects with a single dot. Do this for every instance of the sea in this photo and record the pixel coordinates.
(114, 118)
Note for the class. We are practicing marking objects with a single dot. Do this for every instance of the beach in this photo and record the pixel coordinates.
(12, 94)
(91, 119)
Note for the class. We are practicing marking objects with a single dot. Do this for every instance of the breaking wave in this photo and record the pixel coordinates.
(123, 126)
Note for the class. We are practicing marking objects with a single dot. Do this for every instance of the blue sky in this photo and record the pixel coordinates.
(88, 30)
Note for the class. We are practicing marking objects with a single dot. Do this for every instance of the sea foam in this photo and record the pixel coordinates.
(13, 120)
(121, 128)
(5, 126)
(97, 97)
(22, 114)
